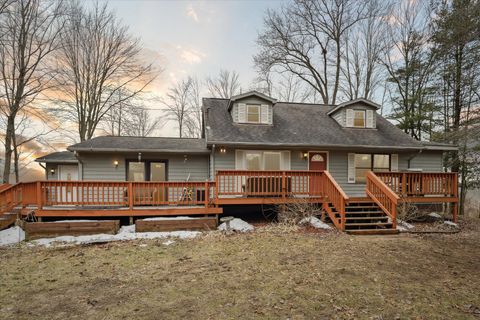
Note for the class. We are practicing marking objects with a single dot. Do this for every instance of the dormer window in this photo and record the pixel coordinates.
(253, 113)
(359, 118)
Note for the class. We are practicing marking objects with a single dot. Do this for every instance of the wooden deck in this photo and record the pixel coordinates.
(231, 187)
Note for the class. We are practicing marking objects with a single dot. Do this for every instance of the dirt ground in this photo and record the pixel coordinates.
(265, 274)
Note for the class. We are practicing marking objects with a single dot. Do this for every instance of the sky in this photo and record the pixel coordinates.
(196, 38)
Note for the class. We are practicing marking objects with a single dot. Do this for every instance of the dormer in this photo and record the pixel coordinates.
(252, 108)
(358, 113)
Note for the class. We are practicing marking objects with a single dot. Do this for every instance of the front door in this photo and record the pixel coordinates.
(68, 192)
(316, 161)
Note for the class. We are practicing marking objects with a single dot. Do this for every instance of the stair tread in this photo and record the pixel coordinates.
(367, 218)
(359, 224)
(372, 231)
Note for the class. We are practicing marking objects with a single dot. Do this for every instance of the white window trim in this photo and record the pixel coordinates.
(364, 118)
(328, 159)
(244, 158)
(259, 107)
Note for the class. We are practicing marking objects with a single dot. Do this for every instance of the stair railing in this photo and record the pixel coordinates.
(383, 196)
(337, 197)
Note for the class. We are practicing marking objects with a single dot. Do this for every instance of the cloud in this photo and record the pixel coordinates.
(191, 56)
(192, 13)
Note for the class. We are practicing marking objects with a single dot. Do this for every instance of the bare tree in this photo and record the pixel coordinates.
(364, 46)
(305, 38)
(140, 123)
(99, 58)
(178, 104)
(194, 120)
(29, 30)
(225, 85)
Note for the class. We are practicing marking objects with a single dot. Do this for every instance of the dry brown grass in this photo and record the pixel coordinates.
(266, 274)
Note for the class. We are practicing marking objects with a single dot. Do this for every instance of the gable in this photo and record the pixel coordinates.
(345, 116)
(240, 110)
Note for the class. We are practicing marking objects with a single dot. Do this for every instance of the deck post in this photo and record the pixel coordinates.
(455, 193)
(130, 195)
(207, 193)
(39, 195)
(216, 189)
(284, 184)
(404, 184)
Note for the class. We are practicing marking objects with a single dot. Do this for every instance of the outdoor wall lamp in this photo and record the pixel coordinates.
(305, 155)
(223, 150)
(52, 171)
(115, 163)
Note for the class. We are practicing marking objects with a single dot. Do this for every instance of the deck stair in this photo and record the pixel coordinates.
(365, 217)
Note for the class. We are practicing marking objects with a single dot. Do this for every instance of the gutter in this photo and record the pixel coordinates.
(206, 151)
(75, 153)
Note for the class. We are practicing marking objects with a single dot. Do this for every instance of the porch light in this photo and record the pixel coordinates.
(52, 171)
(115, 163)
(223, 150)
(305, 155)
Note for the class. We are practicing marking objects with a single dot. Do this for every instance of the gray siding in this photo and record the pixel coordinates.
(430, 161)
(49, 167)
(100, 166)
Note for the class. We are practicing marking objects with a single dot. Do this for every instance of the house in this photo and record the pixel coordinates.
(256, 150)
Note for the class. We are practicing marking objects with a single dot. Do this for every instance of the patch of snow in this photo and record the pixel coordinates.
(450, 223)
(168, 242)
(11, 236)
(435, 215)
(125, 233)
(315, 222)
(237, 225)
(405, 225)
(168, 218)
(401, 229)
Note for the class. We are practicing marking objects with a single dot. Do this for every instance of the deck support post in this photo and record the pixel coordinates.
(207, 193)
(130, 220)
(130, 195)
(39, 195)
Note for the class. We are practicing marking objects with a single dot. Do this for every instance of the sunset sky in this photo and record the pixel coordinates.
(196, 37)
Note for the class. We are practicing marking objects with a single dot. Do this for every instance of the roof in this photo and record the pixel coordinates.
(431, 145)
(58, 157)
(249, 94)
(141, 144)
(301, 125)
(355, 101)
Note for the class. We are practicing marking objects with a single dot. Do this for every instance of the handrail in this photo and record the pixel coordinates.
(383, 196)
(420, 183)
(337, 197)
(10, 197)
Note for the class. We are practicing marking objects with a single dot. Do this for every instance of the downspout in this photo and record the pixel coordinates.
(212, 161)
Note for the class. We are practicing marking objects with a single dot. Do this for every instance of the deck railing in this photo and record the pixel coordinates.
(383, 196)
(10, 196)
(421, 183)
(282, 184)
(337, 197)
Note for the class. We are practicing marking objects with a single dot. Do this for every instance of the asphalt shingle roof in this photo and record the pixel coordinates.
(58, 157)
(296, 124)
(142, 144)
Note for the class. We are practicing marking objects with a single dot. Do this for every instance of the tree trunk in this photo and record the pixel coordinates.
(8, 148)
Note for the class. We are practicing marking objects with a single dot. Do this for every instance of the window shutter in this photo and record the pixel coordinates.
(239, 160)
(351, 168)
(286, 160)
(270, 114)
(370, 119)
(235, 113)
(264, 113)
(242, 112)
(349, 118)
(394, 162)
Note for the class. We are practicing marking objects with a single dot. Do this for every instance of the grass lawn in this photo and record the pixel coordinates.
(295, 275)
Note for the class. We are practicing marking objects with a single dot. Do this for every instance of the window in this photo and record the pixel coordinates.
(150, 170)
(271, 160)
(253, 113)
(359, 118)
(136, 171)
(363, 163)
(367, 162)
(262, 160)
(254, 160)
